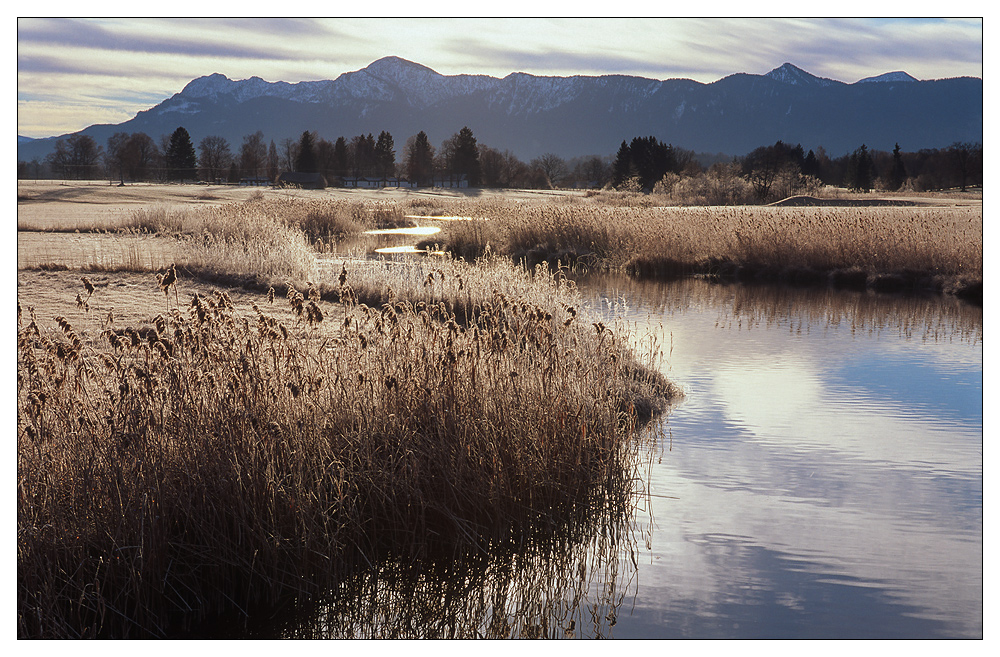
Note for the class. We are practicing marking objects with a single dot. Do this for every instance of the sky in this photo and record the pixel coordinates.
(76, 72)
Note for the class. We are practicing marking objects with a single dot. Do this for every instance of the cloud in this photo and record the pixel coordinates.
(208, 40)
(157, 56)
(539, 62)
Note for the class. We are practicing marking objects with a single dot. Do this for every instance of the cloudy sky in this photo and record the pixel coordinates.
(75, 72)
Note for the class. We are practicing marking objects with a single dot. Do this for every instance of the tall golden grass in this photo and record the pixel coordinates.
(884, 248)
(212, 461)
(887, 248)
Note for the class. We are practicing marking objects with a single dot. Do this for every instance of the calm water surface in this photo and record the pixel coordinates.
(823, 476)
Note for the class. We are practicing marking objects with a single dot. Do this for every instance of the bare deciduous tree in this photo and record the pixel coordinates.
(214, 157)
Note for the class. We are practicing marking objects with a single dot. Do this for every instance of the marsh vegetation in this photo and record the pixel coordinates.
(211, 461)
(353, 416)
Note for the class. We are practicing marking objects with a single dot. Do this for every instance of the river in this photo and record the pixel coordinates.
(823, 477)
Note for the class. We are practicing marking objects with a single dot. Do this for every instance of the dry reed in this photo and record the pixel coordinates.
(881, 248)
(211, 461)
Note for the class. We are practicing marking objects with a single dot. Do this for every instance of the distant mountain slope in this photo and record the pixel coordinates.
(570, 116)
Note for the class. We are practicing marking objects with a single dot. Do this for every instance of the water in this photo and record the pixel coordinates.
(823, 476)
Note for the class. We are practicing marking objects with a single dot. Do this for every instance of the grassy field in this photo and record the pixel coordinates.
(187, 448)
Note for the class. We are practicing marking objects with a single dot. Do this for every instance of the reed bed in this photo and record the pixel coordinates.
(880, 248)
(212, 462)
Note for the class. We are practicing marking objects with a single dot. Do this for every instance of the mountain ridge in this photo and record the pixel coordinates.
(574, 115)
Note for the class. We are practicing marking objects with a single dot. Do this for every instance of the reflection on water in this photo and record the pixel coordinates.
(412, 230)
(568, 575)
(823, 476)
(436, 217)
(409, 248)
(547, 590)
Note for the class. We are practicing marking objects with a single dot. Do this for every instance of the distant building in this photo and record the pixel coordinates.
(375, 183)
(255, 181)
(302, 180)
(399, 182)
(454, 180)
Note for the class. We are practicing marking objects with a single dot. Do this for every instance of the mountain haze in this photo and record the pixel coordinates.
(570, 116)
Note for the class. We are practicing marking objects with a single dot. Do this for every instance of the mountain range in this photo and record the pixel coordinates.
(571, 116)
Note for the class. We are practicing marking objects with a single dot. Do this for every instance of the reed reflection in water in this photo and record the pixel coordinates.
(823, 476)
(572, 577)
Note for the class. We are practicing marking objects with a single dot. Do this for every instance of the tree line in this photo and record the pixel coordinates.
(781, 166)
(769, 173)
(138, 157)
(642, 164)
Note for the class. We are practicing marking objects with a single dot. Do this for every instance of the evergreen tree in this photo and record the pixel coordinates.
(652, 160)
(466, 156)
(181, 160)
(305, 161)
(324, 158)
(646, 158)
(362, 155)
(860, 170)
(622, 168)
(385, 156)
(810, 165)
(341, 160)
(897, 175)
(419, 159)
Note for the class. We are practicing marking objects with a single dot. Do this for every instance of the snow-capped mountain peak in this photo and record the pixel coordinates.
(791, 74)
(208, 85)
(396, 67)
(894, 76)
(415, 84)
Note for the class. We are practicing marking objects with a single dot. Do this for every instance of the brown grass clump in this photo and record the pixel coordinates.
(212, 461)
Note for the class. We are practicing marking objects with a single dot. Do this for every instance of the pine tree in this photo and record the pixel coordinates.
(860, 170)
(385, 156)
(622, 168)
(420, 159)
(897, 175)
(305, 161)
(181, 160)
(466, 156)
(340, 157)
(810, 165)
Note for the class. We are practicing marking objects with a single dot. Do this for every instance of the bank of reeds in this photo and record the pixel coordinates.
(210, 462)
(883, 248)
(880, 248)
